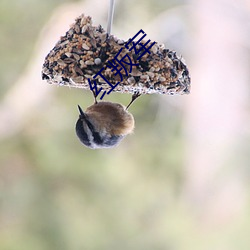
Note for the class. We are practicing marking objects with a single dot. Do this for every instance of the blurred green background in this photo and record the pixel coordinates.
(181, 181)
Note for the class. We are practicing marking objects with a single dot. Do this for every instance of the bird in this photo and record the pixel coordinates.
(104, 124)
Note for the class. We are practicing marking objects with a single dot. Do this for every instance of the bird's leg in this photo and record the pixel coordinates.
(134, 97)
(94, 94)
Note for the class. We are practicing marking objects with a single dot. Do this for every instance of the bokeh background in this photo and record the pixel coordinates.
(180, 182)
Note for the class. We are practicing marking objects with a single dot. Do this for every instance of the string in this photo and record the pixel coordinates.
(110, 16)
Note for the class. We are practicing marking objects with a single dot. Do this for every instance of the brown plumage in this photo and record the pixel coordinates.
(110, 117)
(104, 124)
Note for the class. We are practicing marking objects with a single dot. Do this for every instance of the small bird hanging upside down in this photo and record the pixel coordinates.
(104, 124)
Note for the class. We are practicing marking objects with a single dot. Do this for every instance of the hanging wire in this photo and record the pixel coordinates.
(110, 16)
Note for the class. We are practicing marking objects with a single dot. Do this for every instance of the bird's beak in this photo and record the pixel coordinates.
(82, 115)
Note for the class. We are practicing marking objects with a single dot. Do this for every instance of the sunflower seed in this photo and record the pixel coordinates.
(85, 46)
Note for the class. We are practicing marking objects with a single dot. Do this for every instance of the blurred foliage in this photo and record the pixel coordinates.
(20, 23)
(56, 194)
